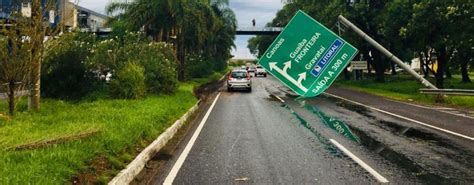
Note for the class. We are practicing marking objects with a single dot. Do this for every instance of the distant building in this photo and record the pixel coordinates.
(68, 13)
(8, 7)
(88, 19)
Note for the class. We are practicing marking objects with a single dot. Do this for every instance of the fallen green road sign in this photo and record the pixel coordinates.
(306, 56)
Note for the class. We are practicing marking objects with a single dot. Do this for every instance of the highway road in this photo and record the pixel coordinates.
(270, 137)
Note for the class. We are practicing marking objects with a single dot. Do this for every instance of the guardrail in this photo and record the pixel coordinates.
(456, 92)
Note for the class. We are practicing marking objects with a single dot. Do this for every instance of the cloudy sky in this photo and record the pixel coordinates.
(262, 11)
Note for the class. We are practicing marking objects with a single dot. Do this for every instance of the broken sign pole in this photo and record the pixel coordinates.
(379, 47)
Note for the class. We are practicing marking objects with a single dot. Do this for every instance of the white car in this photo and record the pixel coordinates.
(239, 79)
(260, 71)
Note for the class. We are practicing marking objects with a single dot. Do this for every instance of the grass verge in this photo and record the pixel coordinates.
(65, 139)
(405, 88)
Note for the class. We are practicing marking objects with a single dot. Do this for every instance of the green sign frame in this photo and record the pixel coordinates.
(306, 56)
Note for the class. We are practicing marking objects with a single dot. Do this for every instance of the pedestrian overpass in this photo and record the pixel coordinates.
(239, 31)
(259, 31)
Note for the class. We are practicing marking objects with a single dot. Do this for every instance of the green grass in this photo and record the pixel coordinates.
(405, 88)
(119, 127)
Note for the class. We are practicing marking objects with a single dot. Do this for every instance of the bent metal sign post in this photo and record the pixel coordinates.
(306, 56)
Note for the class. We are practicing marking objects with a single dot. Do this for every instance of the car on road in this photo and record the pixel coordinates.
(239, 79)
(251, 69)
(260, 71)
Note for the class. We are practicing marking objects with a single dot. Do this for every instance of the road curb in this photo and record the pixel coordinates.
(128, 174)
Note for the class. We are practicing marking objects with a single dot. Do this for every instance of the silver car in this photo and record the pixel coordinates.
(239, 79)
(260, 71)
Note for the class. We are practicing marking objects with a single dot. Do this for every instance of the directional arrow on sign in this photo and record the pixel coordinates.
(302, 77)
(311, 70)
(287, 66)
(284, 73)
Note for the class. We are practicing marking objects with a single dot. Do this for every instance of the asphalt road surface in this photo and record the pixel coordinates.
(269, 137)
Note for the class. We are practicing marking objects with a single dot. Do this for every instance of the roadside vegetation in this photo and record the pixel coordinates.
(100, 137)
(402, 87)
(103, 99)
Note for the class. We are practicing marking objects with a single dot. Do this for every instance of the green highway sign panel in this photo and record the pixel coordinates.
(306, 56)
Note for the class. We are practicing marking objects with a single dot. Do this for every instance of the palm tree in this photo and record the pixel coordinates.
(188, 24)
(223, 40)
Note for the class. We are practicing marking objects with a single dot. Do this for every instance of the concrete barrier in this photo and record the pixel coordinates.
(135, 167)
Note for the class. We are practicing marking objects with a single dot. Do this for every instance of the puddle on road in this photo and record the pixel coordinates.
(416, 134)
(423, 173)
(337, 125)
(443, 147)
(399, 159)
(313, 130)
(353, 107)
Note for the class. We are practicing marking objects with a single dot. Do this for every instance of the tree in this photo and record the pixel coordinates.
(14, 61)
(188, 24)
(22, 56)
(259, 44)
(461, 39)
(428, 29)
(222, 41)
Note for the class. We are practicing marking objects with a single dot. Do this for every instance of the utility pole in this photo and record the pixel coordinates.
(390, 55)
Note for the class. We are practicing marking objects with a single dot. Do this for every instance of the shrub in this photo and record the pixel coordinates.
(198, 67)
(128, 82)
(160, 75)
(64, 74)
(157, 60)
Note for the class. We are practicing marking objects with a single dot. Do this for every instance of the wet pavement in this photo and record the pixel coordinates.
(254, 138)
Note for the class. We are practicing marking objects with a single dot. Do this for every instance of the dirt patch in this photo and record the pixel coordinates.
(89, 176)
(154, 166)
(205, 90)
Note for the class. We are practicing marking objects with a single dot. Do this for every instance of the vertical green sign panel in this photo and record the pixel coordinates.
(306, 56)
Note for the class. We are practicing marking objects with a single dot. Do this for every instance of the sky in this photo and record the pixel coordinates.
(263, 11)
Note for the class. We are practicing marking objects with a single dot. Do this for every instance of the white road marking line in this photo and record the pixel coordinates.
(174, 171)
(446, 110)
(462, 115)
(405, 118)
(369, 169)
